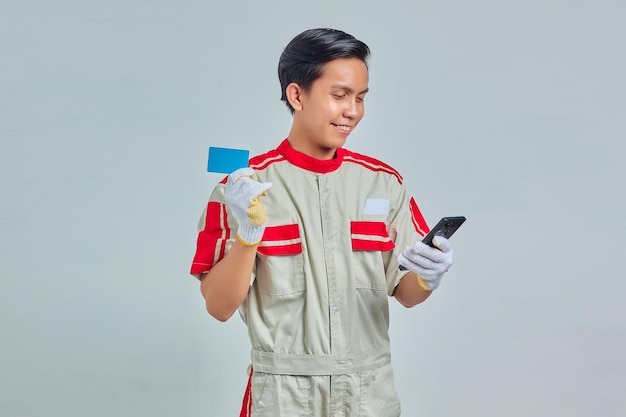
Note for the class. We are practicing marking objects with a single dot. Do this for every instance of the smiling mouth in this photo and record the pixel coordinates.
(343, 128)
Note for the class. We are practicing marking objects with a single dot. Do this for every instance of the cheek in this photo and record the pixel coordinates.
(361, 112)
(333, 107)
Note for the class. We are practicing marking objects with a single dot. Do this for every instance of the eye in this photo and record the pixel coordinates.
(360, 99)
(339, 96)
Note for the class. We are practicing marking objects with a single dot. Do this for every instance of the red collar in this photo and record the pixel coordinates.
(304, 161)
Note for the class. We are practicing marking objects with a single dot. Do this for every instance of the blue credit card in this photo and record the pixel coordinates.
(227, 160)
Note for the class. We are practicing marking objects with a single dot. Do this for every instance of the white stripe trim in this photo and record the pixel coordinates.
(375, 238)
(222, 238)
(280, 242)
(267, 161)
(378, 167)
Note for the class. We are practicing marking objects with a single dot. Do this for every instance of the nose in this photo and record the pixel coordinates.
(353, 109)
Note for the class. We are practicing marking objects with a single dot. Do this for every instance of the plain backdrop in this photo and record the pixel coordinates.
(508, 112)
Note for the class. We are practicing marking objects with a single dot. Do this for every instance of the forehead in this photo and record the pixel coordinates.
(351, 72)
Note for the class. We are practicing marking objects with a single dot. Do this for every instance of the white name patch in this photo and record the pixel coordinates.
(376, 206)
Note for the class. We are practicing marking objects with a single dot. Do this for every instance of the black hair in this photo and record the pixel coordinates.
(303, 58)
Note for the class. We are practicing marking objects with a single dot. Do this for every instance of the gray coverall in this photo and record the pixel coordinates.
(317, 309)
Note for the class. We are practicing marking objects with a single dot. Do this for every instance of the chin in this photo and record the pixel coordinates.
(339, 142)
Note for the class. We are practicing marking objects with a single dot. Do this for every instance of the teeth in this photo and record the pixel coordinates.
(345, 128)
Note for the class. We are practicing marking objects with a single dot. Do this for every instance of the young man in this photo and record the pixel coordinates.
(307, 242)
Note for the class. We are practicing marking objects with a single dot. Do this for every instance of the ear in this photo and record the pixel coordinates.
(294, 96)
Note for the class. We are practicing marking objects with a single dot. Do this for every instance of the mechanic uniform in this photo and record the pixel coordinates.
(317, 309)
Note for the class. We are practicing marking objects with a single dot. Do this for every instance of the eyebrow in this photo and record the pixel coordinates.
(345, 87)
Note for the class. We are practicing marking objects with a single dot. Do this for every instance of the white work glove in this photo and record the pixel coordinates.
(242, 198)
(427, 262)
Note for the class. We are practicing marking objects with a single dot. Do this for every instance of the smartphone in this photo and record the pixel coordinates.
(445, 227)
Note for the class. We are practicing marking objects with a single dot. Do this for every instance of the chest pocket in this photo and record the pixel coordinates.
(369, 240)
(280, 263)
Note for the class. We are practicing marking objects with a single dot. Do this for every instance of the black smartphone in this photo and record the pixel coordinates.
(445, 227)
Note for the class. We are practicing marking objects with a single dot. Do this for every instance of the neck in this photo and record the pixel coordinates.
(302, 143)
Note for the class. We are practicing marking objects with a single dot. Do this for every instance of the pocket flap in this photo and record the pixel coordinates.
(281, 241)
(368, 235)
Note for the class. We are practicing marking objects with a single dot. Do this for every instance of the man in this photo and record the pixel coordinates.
(307, 242)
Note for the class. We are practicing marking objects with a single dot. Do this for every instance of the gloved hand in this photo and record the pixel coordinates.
(242, 197)
(427, 262)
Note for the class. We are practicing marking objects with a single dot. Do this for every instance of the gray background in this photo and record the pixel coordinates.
(510, 113)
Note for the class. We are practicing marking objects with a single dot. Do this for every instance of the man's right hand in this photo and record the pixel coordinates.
(243, 199)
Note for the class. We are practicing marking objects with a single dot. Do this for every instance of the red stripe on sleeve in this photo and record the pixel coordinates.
(419, 223)
(211, 244)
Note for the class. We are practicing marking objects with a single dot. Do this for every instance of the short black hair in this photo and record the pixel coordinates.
(303, 58)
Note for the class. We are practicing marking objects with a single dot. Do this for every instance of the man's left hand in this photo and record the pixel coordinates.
(427, 262)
